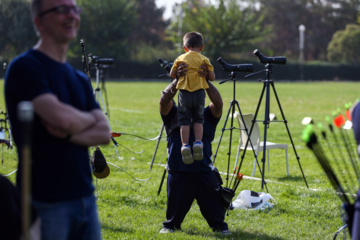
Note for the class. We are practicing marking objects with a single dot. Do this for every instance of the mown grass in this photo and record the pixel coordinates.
(131, 209)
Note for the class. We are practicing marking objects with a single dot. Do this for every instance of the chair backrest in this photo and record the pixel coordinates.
(255, 134)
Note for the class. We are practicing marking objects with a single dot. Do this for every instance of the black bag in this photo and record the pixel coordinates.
(227, 194)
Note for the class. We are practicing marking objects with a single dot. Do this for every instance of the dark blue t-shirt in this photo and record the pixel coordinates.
(356, 122)
(172, 128)
(60, 170)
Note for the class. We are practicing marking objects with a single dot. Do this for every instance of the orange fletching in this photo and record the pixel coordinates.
(348, 115)
(339, 120)
(115, 134)
(239, 176)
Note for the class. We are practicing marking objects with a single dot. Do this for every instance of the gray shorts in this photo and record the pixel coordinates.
(191, 107)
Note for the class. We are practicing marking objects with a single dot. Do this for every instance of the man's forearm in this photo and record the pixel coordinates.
(216, 104)
(62, 116)
(99, 133)
(167, 96)
(214, 96)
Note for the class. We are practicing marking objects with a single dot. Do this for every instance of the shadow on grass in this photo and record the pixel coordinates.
(238, 234)
(293, 178)
(115, 229)
(133, 202)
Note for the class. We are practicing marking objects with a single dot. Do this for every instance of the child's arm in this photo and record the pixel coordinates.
(174, 69)
(210, 70)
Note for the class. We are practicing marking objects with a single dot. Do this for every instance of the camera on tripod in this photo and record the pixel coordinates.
(166, 65)
(266, 60)
(98, 60)
(236, 67)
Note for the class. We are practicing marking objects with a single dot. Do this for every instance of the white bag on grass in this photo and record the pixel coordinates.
(251, 200)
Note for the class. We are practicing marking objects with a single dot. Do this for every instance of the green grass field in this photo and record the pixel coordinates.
(130, 209)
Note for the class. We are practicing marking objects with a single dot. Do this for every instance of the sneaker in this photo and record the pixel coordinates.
(197, 150)
(186, 154)
(166, 230)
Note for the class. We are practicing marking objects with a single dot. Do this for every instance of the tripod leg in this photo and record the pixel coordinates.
(288, 131)
(252, 126)
(105, 93)
(222, 133)
(249, 140)
(157, 145)
(97, 95)
(162, 181)
(266, 124)
(243, 127)
(248, 137)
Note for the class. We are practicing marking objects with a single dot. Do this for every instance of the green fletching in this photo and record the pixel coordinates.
(305, 135)
(327, 118)
(309, 129)
(320, 126)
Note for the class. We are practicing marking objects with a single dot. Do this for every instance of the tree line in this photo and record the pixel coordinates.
(135, 30)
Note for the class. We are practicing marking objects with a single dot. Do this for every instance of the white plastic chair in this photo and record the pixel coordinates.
(255, 140)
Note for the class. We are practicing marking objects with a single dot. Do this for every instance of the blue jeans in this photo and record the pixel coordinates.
(67, 220)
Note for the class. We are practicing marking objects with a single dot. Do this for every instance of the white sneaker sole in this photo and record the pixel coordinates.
(186, 156)
(198, 155)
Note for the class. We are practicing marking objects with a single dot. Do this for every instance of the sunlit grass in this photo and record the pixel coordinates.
(131, 209)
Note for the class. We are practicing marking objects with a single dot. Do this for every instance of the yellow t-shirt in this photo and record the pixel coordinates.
(192, 81)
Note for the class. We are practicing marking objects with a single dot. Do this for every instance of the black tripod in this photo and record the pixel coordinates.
(167, 66)
(234, 105)
(267, 84)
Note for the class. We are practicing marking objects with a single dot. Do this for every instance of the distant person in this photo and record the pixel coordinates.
(191, 98)
(67, 121)
(187, 182)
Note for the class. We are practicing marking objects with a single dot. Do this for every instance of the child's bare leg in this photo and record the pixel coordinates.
(185, 134)
(198, 131)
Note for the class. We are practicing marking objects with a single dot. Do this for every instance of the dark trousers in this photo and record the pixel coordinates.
(183, 188)
(356, 221)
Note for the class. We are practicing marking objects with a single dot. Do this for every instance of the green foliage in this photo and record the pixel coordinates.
(17, 33)
(121, 29)
(130, 209)
(145, 53)
(106, 26)
(227, 26)
(321, 19)
(111, 28)
(345, 45)
(150, 26)
(126, 29)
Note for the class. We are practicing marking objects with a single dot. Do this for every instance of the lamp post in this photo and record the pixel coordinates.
(180, 13)
(301, 50)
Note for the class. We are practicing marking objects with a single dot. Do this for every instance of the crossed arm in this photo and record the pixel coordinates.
(63, 120)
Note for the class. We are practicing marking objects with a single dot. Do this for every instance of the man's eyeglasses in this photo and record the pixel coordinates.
(62, 9)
